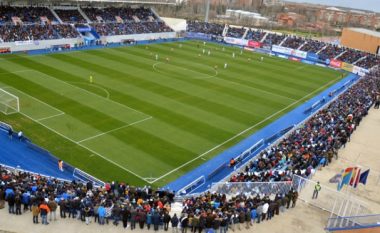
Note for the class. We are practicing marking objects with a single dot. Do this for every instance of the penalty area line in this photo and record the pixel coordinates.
(113, 130)
(87, 148)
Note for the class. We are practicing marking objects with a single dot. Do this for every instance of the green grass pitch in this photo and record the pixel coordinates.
(150, 121)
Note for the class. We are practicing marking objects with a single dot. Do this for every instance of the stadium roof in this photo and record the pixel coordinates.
(366, 31)
(171, 2)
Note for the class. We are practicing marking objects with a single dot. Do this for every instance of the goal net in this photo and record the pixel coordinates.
(9, 103)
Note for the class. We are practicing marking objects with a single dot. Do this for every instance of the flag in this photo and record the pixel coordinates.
(355, 177)
(346, 177)
(363, 177)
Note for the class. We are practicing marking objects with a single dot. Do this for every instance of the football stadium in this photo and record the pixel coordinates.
(118, 116)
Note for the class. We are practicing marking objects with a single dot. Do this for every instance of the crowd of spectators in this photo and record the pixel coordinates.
(293, 42)
(25, 14)
(125, 13)
(236, 32)
(70, 16)
(206, 28)
(111, 29)
(313, 46)
(274, 39)
(352, 55)
(116, 202)
(317, 141)
(11, 33)
(369, 61)
(330, 52)
(220, 213)
(255, 35)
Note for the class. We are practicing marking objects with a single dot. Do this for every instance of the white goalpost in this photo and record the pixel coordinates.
(9, 103)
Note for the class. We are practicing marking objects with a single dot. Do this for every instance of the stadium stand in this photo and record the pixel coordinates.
(70, 16)
(25, 14)
(274, 39)
(317, 141)
(313, 46)
(206, 28)
(235, 32)
(256, 35)
(293, 42)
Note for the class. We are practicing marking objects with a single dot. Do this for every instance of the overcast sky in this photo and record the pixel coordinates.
(372, 5)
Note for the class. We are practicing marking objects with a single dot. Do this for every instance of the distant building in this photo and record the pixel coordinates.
(289, 19)
(273, 2)
(361, 39)
(254, 18)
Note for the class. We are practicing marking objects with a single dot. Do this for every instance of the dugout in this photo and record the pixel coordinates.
(361, 39)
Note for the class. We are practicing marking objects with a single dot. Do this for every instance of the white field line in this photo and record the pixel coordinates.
(244, 131)
(94, 85)
(113, 130)
(9, 87)
(75, 87)
(85, 147)
(229, 81)
(56, 115)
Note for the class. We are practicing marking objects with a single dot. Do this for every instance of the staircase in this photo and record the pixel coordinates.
(283, 41)
(340, 54)
(55, 15)
(360, 59)
(299, 48)
(322, 49)
(245, 33)
(225, 30)
(264, 37)
(84, 15)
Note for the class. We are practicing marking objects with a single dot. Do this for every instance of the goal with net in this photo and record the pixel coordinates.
(9, 103)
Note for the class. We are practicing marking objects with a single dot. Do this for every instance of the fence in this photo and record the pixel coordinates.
(251, 188)
(337, 203)
(353, 222)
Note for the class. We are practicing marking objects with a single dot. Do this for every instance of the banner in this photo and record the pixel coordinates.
(119, 19)
(312, 56)
(5, 50)
(294, 59)
(197, 35)
(359, 71)
(236, 41)
(83, 29)
(347, 66)
(307, 62)
(25, 42)
(16, 20)
(335, 63)
(289, 51)
(254, 44)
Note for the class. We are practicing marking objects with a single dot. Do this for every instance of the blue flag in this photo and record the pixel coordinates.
(363, 177)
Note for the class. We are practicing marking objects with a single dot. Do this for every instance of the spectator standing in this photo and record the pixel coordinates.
(52, 204)
(44, 210)
(167, 219)
(35, 213)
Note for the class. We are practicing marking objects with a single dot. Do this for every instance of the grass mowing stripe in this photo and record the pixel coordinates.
(170, 93)
(167, 113)
(249, 72)
(232, 94)
(222, 85)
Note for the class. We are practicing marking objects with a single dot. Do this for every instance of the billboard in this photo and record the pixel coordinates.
(312, 56)
(335, 63)
(236, 41)
(294, 59)
(196, 35)
(347, 66)
(254, 44)
(360, 71)
(289, 51)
